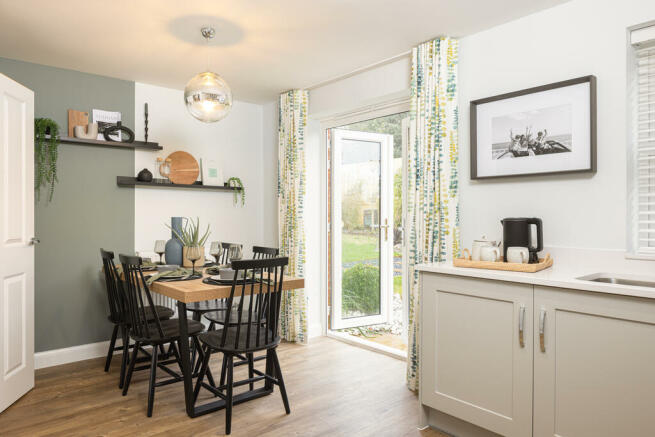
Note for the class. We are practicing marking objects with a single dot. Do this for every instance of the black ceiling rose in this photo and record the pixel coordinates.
(119, 127)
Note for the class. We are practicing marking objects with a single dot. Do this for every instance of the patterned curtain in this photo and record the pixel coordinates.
(433, 207)
(291, 196)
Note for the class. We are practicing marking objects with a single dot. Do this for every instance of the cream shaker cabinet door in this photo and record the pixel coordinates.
(476, 356)
(594, 362)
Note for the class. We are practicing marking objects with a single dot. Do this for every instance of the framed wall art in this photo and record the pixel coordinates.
(550, 129)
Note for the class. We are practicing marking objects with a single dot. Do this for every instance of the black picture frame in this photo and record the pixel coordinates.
(474, 104)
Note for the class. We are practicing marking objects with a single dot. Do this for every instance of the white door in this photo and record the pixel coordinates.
(362, 228)
(593, 364)
(16, 249)
(476, 352)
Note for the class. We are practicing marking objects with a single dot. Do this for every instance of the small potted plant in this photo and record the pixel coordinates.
(193, 243)
(46, 140)
(240, 191)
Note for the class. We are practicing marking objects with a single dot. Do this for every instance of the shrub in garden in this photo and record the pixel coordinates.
(361, 289)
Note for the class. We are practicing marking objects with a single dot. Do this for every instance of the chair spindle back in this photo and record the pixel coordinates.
(257, 321)
(134, 290)
(114, 287)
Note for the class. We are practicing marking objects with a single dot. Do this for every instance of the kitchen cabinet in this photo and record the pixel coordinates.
(476, 352)
(594, 375)
(530, 360)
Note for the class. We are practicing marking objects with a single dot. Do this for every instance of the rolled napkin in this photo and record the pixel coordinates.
(215, 270)
(177, 272)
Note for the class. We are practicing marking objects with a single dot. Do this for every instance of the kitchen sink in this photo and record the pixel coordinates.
(621, 279)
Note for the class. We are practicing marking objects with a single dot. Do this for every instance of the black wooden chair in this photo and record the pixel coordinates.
(199, 308)
(116, 316)
(218, 317)
(255, 329)
(145, 332)
(260, 252)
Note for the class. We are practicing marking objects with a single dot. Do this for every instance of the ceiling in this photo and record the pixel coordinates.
(262, 47)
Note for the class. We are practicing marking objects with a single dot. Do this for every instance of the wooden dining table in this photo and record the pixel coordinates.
(190, 291)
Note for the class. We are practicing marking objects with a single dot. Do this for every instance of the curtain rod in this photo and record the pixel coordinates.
(360, 70)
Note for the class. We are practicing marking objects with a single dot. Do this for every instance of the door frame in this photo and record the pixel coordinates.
(388, 105)
(385, 212)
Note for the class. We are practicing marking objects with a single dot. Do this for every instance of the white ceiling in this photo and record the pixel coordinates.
(262, 48)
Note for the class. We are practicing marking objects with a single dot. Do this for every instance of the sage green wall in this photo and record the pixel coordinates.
(88, 210)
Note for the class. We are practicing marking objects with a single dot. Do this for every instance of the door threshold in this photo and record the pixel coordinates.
(365, 344)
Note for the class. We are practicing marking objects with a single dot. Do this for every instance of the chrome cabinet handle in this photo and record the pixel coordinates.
(542, 322)
(521, 324)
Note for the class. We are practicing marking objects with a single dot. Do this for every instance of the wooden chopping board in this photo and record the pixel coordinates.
(184, 168)
(76, 118)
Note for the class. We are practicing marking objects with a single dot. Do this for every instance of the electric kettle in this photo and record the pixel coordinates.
(517, 233)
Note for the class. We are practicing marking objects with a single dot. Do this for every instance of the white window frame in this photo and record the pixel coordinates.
(639, 36)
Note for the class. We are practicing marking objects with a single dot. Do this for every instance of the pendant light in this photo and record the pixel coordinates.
(207, 96)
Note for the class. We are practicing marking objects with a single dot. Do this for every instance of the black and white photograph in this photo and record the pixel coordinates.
(549, 129)
(532, 133)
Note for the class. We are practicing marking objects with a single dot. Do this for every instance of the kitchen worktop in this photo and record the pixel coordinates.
(568, 265)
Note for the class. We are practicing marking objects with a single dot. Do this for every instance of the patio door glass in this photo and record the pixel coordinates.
(362, 228)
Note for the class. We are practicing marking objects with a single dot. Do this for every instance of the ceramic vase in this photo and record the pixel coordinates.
(174, 246)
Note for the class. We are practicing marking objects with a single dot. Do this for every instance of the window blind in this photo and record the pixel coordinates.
(643, 128)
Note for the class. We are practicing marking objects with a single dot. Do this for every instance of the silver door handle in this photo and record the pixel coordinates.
(34, 241)
(542, 323)
(521, 324)
(386, 229)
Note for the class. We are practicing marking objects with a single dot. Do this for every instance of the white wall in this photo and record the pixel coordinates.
(235, 142)
(269, 173)
(368, 87)
(575, 39)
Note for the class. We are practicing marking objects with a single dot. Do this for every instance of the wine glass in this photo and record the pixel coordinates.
(160, 248)
(235, 252)
(215, 250)
(193, 254)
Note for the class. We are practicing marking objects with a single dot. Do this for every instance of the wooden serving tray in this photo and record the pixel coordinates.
(466, 261)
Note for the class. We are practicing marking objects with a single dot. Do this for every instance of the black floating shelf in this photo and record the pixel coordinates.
(127, 181)
(101, 143)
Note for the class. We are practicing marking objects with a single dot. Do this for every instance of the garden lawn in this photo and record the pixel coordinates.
(356, 247)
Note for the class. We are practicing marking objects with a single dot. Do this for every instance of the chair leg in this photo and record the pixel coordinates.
(153, 375)
(112, 344)
(128, 377)
(126, 353)
(280, 381)
(251, 369)
(223, 370)
(195, 316)
(228, 395)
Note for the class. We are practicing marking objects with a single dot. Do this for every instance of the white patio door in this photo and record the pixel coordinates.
(16, 242)
(362, 228)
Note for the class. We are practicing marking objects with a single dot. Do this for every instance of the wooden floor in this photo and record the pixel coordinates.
(334, 389)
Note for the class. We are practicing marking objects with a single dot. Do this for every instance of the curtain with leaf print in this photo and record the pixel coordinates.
(291, 195)
(432, 198)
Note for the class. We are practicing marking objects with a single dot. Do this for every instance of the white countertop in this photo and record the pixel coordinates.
(568, 265)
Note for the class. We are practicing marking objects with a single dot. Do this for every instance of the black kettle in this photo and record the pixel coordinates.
(516, 232)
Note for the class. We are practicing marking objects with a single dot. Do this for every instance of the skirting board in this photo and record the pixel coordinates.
(82, 352)
(71, 354)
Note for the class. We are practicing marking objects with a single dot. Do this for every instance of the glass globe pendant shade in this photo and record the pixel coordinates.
(208, 97)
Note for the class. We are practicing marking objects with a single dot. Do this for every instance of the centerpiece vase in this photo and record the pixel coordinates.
(174, 246)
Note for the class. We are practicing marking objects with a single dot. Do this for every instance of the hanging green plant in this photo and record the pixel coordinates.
(235, 182)
(46, 140)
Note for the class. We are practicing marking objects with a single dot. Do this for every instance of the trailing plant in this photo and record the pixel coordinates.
(235, 182)
(189, 235)
(45, 155)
